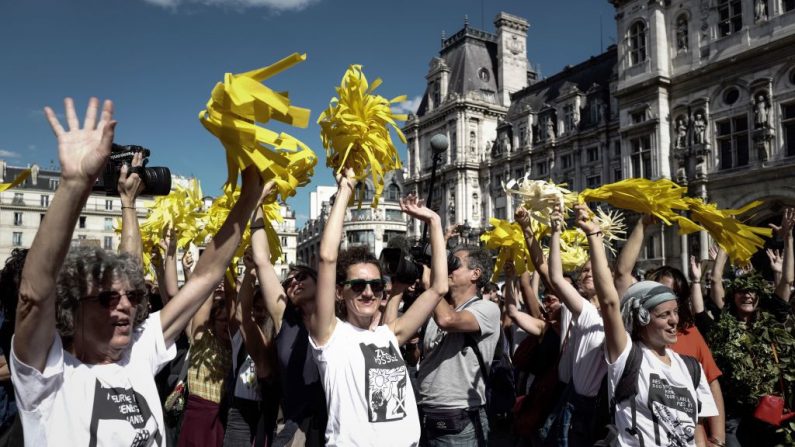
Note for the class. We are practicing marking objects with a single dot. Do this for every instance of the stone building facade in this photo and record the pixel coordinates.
(370, 227)
(699, 91)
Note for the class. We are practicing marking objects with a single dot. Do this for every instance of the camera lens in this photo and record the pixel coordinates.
(157, 180)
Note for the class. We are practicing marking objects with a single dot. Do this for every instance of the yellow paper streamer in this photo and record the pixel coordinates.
(234, 108)
(539, 197)
(658, 198)
(740, 241)
(354, 130)
(509, 239)
(17, 181)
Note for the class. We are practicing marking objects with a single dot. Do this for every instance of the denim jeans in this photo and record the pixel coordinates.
(468, 437)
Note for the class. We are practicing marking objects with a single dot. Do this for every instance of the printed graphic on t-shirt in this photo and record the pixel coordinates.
(674, 410)
(113, 405)
(385, 378)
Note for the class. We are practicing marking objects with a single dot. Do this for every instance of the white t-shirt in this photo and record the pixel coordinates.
(583, 359)
(72, 403)
(246, 385)
(666, 406)
(368, 391)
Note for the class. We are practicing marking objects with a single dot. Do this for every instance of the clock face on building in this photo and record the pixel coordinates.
(515, 45)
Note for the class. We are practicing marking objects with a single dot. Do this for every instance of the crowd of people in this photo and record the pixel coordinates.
(344, 355)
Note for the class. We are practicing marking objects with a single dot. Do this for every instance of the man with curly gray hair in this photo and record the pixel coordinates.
(99, 388)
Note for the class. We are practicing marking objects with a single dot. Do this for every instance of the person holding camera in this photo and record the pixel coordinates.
(101, 389)
(459, 342)
(368, 392)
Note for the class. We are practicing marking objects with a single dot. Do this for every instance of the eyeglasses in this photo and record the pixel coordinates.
(110, 298)
(359, 285)
(300, 276)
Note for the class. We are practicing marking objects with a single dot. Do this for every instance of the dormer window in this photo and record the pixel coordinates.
(437, 95)
(483, 75)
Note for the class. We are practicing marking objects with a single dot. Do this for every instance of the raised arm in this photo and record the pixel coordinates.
(629, 255)
(609, 302)
(213, 263)
(536, 254)
(169, 247)
(716, 277)
(82, 152)
(272, 291)
(568, 295)
(528, 286)
(129, 186)
(323, 321)
(696, 296)
(415, 316)
(788, 265)
(257, 342)
(531, 325)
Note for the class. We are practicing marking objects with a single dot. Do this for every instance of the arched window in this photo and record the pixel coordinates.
(682, 41)
(364, 190)
(393, 193)
(637, 43)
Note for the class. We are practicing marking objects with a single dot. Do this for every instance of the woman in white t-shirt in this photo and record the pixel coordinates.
(667, 405)
(368, 392)
(100, 390)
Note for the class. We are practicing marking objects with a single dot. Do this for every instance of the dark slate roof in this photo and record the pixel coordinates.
(42, 179)
(465, 53)
(597, 70)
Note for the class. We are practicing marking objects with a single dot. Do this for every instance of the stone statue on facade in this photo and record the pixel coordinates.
(681, 134)
(475, 205)
(681, 35)
(700, 128)
(760, 10)
(760, 111)
(549, 128)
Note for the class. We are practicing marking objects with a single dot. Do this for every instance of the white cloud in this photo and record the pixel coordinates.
(409, 106)
(277, 5)
(8, 154)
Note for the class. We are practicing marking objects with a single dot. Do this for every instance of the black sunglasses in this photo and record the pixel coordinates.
(110, 298)
(359, 285)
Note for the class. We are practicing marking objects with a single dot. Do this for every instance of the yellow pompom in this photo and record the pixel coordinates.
(509, 239)
(740, 241)
(539, 197)
(234, 108)
(355, 130)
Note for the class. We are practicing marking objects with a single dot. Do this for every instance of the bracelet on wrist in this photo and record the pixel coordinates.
(257, 227)
(127, 207)
(717, 442)
(596, 233)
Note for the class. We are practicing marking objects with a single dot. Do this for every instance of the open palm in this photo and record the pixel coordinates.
(83, 151)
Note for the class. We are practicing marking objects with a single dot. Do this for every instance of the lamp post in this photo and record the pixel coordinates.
(439, 144)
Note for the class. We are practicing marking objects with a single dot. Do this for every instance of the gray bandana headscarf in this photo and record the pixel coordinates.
(640, 298)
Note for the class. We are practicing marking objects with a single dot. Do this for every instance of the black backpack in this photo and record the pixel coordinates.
(499, 376)
(627, 388)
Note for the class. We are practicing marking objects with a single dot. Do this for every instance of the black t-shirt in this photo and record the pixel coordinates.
(302, 390)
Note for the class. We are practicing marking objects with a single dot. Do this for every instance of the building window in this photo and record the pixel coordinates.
(437, 94)
(54, 183)
(637, 43)
(638, 116)
(81, 222)
(595, 110)
(393, 215)
(284, 241)
(565, 161)
(788, 127)
(109, 205)
(617, 148)
(17, 218)
(483, 74)
(788, 5)
(45, 200)
(617, 175)
(522, 135)
(541, 168)
(682, 43)
(592, 154)
(732, 136)
(393, 193)
(568, 118)
(392, 234)
(364, 191)
(362, 237)
(18, 199)
(641, 156)
(731, 16)
(593, 181)
(499, 212)
(16, 239)
(107, 243)
(360, 214)
(108, 224)
(518, 173)
(731, 95)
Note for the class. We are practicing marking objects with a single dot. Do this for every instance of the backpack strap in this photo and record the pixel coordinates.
(627, 388)
(469, 341)
(694, 368)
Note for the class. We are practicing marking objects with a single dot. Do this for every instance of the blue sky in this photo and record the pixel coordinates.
(159, 59)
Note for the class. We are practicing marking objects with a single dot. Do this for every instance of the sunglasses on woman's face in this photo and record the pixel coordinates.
(110, 298)
(300, 276)
(359, 285)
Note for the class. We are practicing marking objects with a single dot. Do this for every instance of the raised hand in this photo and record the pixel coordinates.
(695, 269)
(776, 260)
(187, 261)
(346, 177)
(787, 222)
(556, 220)
(522, 217)
(414, 208)
(248, 260)
(130, 183)
(509, 269)
(452, 230)
(83, 151)
(584, 219)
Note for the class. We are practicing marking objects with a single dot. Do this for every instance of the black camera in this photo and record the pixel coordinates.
(406, 267)
(156, 180)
